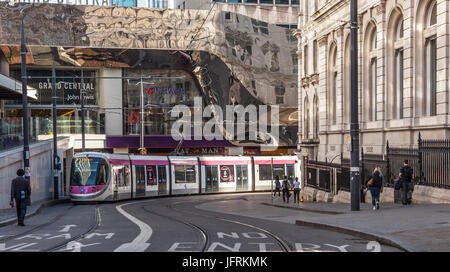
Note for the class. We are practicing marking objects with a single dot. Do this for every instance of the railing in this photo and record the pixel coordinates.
(434, 163)
(430, 162)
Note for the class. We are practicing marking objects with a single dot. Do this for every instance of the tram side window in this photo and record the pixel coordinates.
(190, 174)
(184, 174)
(180, 176)
(151, 175)
(102, 177)
(278, 170)
(127, 176)
(123, 178)
(227, 173)
(265, 172)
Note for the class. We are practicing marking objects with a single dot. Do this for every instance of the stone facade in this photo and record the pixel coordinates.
(403, 77)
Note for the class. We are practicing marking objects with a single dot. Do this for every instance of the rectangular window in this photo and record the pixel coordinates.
(305, 61)
(373, 89)
(190, 174)
(180, 175)
(265, 172)
(315, 56)
(399, 84)
(184, 174)
(432, 82)
(278, 170)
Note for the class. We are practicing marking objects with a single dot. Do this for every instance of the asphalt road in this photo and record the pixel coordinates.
(177, 224)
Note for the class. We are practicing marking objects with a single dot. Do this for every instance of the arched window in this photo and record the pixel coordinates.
(332, 81)
(306, 119)
(371, 72)
(430, 60)
(395, 74)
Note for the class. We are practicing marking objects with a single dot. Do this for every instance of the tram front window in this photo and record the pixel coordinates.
(88, 172)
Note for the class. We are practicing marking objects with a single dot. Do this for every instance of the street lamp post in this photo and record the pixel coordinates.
(56, 159)
(83, 136)
(354, 126)
(26, 132)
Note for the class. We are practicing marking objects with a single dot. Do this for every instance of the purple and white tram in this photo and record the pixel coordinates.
(101, 177)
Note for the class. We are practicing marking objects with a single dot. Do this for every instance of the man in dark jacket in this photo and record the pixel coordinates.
(20, 191)
(406, 175)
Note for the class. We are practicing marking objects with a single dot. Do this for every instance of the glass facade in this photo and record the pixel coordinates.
(160, 94)
(68, 90)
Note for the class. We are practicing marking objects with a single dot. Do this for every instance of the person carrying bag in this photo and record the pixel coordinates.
(374, 184)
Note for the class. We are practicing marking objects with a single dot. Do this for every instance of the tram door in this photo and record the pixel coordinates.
(241, 177)
(162, 180)
(140, 181)
(212, 179)
(290, 172)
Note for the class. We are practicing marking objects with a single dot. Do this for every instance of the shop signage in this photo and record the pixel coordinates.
(164, 91)
(203, 151)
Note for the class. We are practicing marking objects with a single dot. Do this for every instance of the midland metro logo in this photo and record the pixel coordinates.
(235, 119)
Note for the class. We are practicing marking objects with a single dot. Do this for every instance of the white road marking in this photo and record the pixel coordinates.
(139, 244)
(67, 228)
(374, 246)
(76, 246)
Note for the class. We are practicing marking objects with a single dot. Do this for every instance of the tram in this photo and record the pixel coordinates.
(105, 177)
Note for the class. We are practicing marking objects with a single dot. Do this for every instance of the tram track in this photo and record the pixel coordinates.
(203, 233)
(38, 227)
(94, 225)
(284, 246)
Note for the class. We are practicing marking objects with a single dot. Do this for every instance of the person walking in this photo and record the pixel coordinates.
(286, 186)
(277, 186)
(296, 191)
(406, 176)
(374, 184)
(20, 191)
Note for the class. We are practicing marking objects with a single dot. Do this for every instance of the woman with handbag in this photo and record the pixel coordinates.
(374, 184)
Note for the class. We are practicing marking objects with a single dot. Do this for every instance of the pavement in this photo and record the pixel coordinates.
(413, 228)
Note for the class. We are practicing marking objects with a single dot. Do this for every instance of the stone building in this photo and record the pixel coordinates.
(403, 74)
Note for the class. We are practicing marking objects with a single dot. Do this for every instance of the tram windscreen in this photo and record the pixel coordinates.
(88, 172)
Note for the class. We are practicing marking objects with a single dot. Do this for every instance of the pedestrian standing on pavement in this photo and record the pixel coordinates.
(374, 184)
(277, 186)
(296, 191)
(406, 176)
(20, 191)
(286, 186)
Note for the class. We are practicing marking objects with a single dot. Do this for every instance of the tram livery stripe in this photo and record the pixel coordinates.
(149, 162)
(276, 161)
(119, 162)
(243, 162)
(184, 162)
